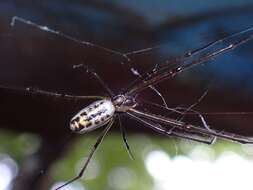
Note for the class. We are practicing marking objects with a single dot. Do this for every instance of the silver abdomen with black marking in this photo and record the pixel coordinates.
(93, 116)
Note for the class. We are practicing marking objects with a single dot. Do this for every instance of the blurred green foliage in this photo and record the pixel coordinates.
(111, 159)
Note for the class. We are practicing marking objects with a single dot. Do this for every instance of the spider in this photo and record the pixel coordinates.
(105, 110)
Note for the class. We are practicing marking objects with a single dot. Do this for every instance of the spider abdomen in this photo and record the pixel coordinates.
(93, 116)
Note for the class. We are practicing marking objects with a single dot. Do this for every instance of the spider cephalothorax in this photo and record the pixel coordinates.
(123, 103)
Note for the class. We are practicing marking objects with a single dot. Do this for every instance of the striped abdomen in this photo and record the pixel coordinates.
(93, 116)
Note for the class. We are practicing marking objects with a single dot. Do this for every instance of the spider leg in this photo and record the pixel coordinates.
(238, 138)
(191, 128)
(221, 134)
(149, 103)
(196, 112)
(123, 132)
(194, 137)
(207, 139)
(191, 59)
(153, 88)
(94, 148)
(230, 136)
(36, 91)
(100, 80)
(160, 95)
(56, 32)
(197, 102)
(178, 111)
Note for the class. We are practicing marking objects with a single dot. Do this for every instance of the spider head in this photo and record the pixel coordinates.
(122, 103)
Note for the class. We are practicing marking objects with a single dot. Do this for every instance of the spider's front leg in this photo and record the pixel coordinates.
(36, 91)
(90, 70)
